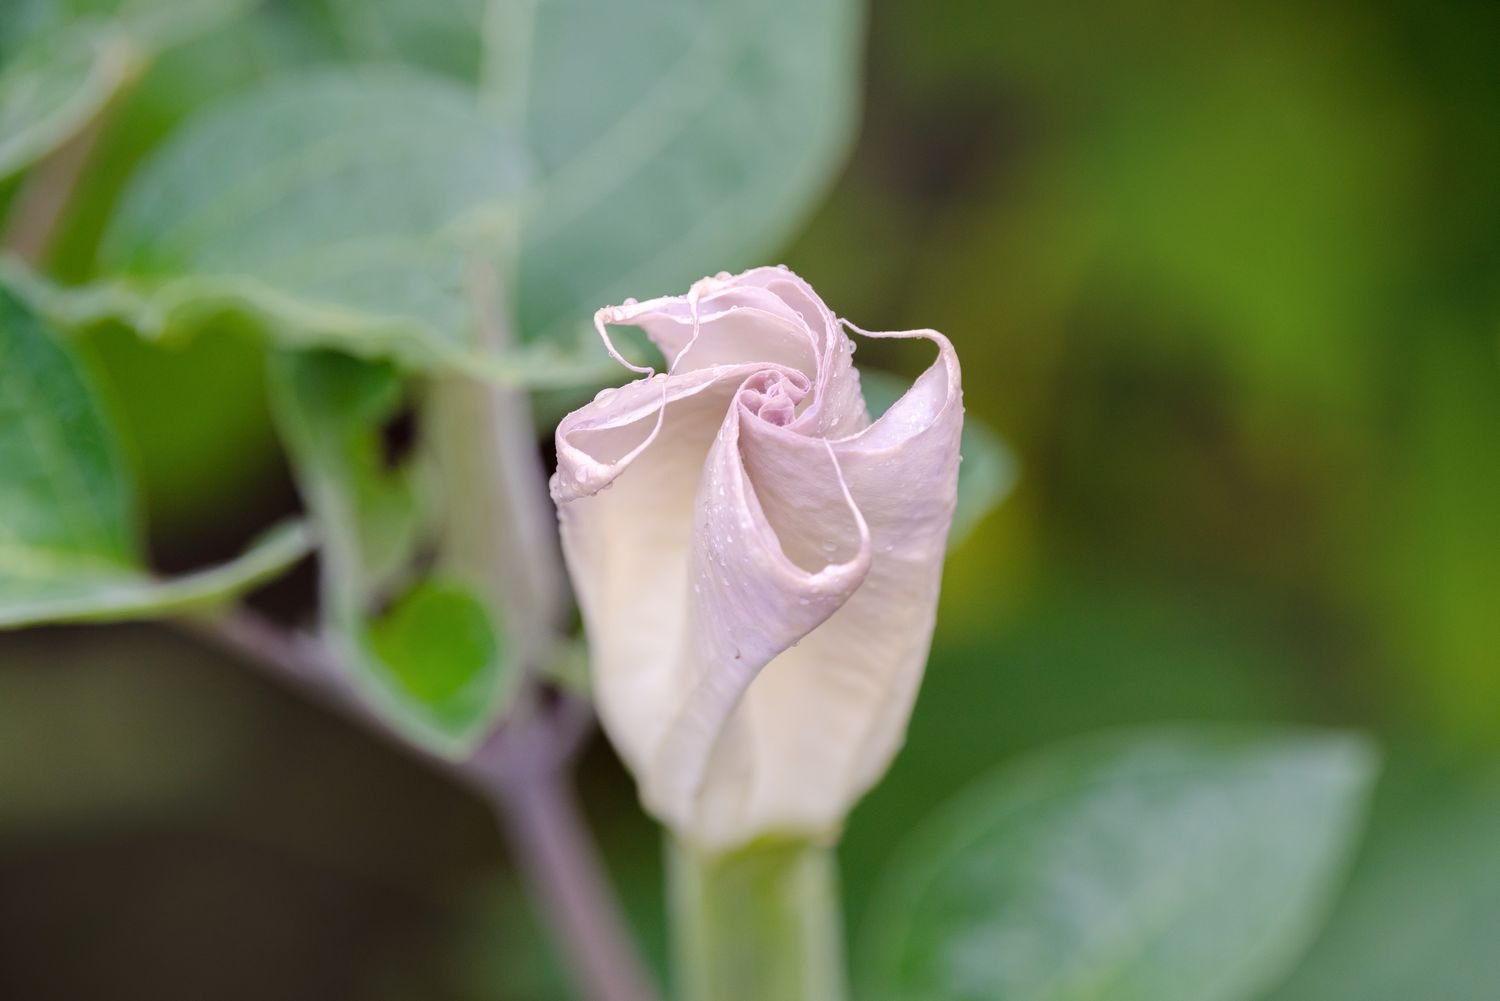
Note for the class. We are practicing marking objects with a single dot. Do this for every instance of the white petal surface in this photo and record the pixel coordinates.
(757, 564)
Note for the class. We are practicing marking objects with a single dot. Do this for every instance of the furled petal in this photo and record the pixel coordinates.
(757, 564)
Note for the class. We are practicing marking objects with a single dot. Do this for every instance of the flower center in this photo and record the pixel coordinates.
(773, 395)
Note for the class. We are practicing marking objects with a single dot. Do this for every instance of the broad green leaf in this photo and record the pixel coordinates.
(53, 85)
(443, 35)
(62, 60)
(346, 207)
(68, 536)
(182, 309)
(434, 661)
(671, 142)
(988, 472)
(1418, 919)
(65, 497)
(1159, 865)
(438, 653)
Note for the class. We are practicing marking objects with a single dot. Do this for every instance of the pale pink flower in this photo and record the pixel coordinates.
(757, 563)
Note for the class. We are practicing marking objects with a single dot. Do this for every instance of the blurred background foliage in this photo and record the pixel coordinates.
(1227, 279)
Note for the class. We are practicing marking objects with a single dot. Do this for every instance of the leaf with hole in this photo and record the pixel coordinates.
(331, 409)
(427, 652)
(438, 662)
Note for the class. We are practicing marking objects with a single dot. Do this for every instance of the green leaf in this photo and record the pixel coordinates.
(1161, 865)
(443, 36)
(65, 498)
(34, 594)
(178, 311)
(330, 408)
(671, 142)
(438, 653)
(988, 473)
(52, 86)
(1419, 916)
(343, 207)
(61, 62)
(68, 528)
(434, 661)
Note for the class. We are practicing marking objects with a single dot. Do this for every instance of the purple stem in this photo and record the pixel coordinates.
(521, 771)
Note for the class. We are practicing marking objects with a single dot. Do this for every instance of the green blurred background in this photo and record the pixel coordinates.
(1227, 280)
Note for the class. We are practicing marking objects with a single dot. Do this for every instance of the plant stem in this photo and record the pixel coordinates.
(301, 661)
(44, 195)
(501, 532)
(43, 199)
(499, 529)
(567, 877)
(521, 771)
(762, 923)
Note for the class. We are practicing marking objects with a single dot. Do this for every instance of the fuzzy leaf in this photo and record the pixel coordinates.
(670, 143)
(68, 529)
(1164, 865)
(61, 62)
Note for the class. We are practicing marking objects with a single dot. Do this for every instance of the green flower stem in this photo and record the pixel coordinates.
(762, 923)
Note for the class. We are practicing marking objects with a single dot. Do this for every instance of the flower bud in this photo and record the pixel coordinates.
(757, 562)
